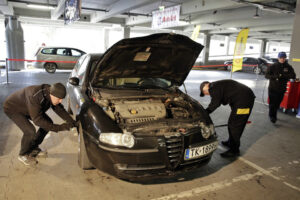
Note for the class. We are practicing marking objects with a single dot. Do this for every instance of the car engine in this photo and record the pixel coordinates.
(145, 110)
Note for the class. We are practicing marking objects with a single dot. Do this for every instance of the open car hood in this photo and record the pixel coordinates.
(164, 55)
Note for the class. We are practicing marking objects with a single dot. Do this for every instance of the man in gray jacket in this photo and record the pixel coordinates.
(30, 104)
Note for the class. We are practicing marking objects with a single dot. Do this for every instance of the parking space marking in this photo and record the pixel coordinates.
(258, 168)
(268, 173)
(292, 186)
(209, 188)
(223, 184)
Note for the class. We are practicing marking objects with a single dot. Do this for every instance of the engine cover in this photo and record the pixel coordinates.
(140, 111)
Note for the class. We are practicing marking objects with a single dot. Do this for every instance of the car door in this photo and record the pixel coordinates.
(76, 54)
(75, 93)
(65, 58)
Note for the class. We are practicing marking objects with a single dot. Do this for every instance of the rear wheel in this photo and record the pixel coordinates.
(257, 70)
(83, 160)
(50, 67)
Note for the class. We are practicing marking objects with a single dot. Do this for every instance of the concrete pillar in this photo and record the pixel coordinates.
(268, 47)
(263, 48)
(126, 32)
(14, 43)
(207, 38)
(227, 43)
(294, 58)
(106, 39)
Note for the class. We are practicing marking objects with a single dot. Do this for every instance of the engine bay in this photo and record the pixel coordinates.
(142, 110)
(168, 114)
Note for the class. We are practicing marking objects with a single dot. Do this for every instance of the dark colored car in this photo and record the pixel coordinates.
(135, 123)
(256, 65)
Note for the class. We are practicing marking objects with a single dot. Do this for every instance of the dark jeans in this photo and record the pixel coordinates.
(31, 139)
(236, 125)
(275, 100)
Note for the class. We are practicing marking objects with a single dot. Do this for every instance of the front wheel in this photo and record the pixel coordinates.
(83, 160)
(50, 67)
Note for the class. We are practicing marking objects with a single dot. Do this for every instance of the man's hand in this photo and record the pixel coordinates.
(65, 126)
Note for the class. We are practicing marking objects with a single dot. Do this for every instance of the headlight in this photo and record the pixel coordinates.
(118, 139)
(207, 131)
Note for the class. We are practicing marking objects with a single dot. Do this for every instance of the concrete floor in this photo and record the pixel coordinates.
(268, 168)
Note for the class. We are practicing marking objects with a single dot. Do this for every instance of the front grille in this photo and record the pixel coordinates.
(174, 146)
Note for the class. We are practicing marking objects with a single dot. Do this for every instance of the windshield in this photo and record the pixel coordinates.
(144, 83)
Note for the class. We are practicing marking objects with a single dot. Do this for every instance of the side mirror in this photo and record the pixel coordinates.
(74, 81)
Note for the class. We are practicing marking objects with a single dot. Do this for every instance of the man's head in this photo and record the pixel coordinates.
(57, 93)
(204, 88)
(281, 57)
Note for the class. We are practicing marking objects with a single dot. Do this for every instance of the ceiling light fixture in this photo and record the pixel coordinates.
(232, 28)
(256, 14)
(36, 6)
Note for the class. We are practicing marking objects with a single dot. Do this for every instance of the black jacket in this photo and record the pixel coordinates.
(279, 74)
(229, 92)
(34, 101)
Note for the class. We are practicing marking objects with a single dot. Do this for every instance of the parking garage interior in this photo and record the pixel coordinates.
(269, 163)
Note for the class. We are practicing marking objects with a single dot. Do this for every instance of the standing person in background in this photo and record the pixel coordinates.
(279, 73)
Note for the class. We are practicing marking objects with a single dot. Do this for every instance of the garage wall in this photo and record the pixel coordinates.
(88, 40)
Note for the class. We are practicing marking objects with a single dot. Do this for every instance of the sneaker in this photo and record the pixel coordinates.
(38, 152)
(27, 160)
(273, 119)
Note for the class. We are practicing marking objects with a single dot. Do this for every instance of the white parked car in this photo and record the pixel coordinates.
(52, 58)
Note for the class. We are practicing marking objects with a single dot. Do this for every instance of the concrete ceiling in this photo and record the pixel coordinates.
(273, 21)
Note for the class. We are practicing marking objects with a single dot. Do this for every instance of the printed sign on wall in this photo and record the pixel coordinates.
(169, 17)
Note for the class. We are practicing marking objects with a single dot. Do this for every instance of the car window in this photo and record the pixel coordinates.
(48, 51)
(94, 64)
(79, 62)
(82, 68)
(136, 82)
(61, 52)
(75, 53)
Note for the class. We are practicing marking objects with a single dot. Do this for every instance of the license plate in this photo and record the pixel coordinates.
(197, 152)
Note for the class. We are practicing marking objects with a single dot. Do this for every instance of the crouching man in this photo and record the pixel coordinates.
(30, 104)
(241, 100)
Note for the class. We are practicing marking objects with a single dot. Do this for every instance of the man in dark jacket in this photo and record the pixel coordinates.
(279, 73)
(31, 103)
(241, 100)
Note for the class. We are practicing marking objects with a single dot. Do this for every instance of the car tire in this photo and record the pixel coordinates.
(50, 67)
(257, 70)
(83, 160)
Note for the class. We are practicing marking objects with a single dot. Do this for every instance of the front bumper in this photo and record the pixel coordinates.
(38, 65)
(153, 156)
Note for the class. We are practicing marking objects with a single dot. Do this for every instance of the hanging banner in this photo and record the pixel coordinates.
(169, 17)
(196, 32)
(72, 11)
(239, 49)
